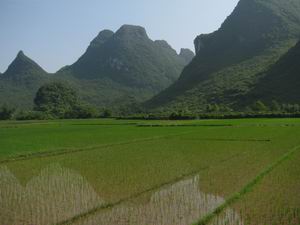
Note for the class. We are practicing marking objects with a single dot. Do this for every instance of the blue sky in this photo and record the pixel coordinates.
(55, 33)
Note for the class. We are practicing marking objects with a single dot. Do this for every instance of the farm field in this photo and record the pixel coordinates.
(96, 172)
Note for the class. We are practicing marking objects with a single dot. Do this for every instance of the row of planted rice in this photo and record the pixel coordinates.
(224, 162)
(56, 194)
(276, 200)
(177, 204)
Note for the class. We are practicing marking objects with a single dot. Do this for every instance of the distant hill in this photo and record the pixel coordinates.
(124, 66)
(280, 83)
(230, 61)
(20, 82)
(116, 69)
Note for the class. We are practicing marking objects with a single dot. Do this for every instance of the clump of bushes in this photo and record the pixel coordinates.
(33, 115)
(6, 112)
(60, 101)
(107, 113)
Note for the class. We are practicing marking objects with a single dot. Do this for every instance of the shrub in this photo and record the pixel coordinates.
(56, 99)
(259, 106)
(82, 111)
(106, 113)
(6, 112)
(33, 115)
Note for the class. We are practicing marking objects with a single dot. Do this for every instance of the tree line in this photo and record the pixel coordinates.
(55, 101)
(59, 101)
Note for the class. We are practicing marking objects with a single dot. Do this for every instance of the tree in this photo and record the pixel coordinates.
(225, 108)
(259, 106)
(82, 111)
(6, 112)
(56, 99)
(212, 108)
(175, 116)
(209, 108)
(106, 113)
(275, 107)
(297, 107)
(32, 115)
(291, 108)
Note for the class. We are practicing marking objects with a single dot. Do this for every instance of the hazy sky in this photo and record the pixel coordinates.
(55, 33)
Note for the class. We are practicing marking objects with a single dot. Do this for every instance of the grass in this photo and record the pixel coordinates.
(125, 160)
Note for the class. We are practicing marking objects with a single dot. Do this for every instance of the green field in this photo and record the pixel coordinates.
(95, 172)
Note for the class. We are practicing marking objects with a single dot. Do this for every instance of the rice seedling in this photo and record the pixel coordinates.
(163, 172)
(276, 200)
(56, 193)
(180, 203)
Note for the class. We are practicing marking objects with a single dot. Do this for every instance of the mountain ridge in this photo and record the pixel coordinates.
(280, 82)
(117, 68)
(127, 63)
(257, 32)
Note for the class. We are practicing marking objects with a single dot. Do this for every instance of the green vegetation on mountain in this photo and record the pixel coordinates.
(281, 82)
(251, 59)
(230, 61)
(117, 69)
(124, 67)
(20, 82)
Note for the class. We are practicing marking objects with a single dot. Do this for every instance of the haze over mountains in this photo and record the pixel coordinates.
(117, 68)
(253, 56)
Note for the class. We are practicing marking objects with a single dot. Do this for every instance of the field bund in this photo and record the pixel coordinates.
(150, 172)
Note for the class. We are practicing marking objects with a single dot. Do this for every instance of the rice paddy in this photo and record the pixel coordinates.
(94, 172)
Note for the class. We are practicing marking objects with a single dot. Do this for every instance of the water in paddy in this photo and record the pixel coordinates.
(58, 194)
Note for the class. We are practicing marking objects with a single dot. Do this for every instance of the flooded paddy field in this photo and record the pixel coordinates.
(95, 172)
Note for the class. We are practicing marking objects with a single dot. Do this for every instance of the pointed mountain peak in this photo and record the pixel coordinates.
(101, 38)
(20, 54)
(186, 54)
(132, 31)
(23, 64)
(22, 57)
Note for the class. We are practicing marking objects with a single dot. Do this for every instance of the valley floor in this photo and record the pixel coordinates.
(150, 172)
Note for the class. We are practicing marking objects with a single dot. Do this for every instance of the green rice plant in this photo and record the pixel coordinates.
(276, 199)
(246, 189)
(129, 167)
(179, 203)
(56, 193)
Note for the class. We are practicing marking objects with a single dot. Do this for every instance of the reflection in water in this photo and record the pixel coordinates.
(55, 195)
(58, 194)
(178, 204)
